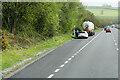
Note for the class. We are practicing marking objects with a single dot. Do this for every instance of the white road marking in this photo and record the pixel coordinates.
(62, 66)
(69, 59)
(72, 56)
(75, 54)
(115, 43)
(117, 49)
(90, 41)
(51, 76)
(114, 40)
(56, 70)
(66, 62)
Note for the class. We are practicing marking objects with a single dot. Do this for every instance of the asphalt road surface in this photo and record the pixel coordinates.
(95, 57)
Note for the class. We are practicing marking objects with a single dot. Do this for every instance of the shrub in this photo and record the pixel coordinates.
(4, 44)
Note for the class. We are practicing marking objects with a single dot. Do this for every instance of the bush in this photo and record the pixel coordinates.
(4, 44)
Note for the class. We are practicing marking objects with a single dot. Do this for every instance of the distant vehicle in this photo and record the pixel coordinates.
(113, 26)
(83, 34)
(89, 28)
(108, 29)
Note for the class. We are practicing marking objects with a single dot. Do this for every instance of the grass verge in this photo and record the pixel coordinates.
(12, 57)
(98, 29)
(118, 28)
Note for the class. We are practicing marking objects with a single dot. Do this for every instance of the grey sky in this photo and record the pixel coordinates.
(114, 3)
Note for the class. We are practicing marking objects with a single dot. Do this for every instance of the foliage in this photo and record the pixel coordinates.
(4, 44)
(42, 20)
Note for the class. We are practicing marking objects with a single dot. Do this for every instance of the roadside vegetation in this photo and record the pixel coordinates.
(118, 28)
(14, 56)
(98, 29)
(30, 28)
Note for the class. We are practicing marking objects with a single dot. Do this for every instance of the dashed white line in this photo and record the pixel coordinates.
(62, 66)
(115, 43)
(66, 62)
(90, 41)
(69, 59)
(51, 76)
(56, 70)
(72, 56)
(75, 54)
(117, 49)
(114, 40)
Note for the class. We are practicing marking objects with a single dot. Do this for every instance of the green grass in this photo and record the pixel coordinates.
(108, 12)
(0, 61)
(98, 29)
(12, 57)
(118, 28)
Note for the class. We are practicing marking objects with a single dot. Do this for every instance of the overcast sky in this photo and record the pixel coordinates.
(114, 3)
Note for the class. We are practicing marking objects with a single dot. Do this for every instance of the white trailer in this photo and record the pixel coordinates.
(89, 27)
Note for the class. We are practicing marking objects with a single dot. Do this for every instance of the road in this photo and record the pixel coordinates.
(95, 57)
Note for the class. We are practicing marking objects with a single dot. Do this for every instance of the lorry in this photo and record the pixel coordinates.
(89, 28)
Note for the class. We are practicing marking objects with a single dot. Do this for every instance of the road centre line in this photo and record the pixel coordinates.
(66, 62)
(69, 59)
(90, 41)
(62, 66)
(117, 49)
(51, 76)
(77, 52)
(56, 70)
(114, 40)
(74, 56)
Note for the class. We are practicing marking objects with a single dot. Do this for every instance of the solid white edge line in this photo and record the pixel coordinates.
(51, 76)
(56, 70)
